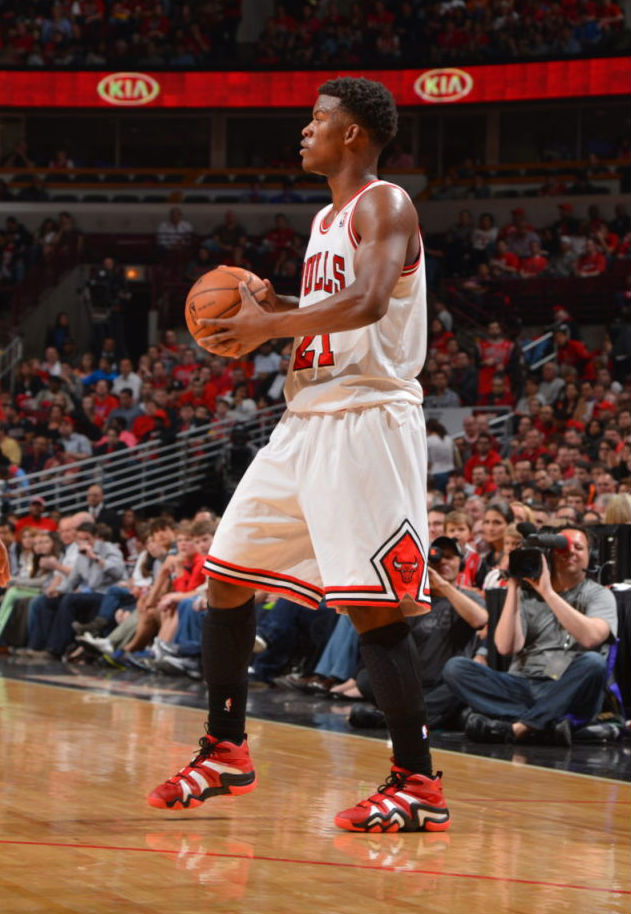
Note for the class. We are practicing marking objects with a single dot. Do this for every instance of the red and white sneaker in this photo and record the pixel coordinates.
(406, 802)
(220, 767)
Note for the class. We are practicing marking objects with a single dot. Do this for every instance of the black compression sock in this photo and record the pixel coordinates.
(227, 645)
(393, 665)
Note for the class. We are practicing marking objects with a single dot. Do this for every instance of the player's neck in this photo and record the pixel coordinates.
(345, 185)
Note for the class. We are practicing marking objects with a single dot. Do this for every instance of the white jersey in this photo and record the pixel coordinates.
(375, 364)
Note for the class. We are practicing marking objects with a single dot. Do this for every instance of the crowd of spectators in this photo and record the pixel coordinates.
(127, 34)
(402, 33)
(122, 34)
(482, 252)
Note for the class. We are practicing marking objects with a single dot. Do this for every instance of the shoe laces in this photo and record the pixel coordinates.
(395, 781)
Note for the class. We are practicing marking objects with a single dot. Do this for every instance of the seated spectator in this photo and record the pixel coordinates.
(503, 262)
(592, 262)
(497, 517)
(127, 379)
(98, 566)
(25, 587)
(500, 393)
(35, 519)
(571, 352)
(483, 455)
(440, 396)
(558, 640)
(438, 337)
(535, 263)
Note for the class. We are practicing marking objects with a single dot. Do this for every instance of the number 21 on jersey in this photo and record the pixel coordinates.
(307, 354)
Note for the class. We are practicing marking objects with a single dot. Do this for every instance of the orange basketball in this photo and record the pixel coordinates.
(216, 294)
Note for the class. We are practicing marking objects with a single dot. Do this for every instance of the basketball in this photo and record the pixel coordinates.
(216, 294)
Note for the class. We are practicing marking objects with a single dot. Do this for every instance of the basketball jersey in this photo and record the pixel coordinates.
(368, 366)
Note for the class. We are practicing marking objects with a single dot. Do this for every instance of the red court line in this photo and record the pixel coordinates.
(545, 801)
(331, 863)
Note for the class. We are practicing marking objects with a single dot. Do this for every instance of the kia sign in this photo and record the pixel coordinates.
(131, 89)
(556, 79)
(448, 85)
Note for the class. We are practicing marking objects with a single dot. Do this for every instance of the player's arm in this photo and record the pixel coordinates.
(385, 220)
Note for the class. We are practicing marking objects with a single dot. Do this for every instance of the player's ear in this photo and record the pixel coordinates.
(352, 133)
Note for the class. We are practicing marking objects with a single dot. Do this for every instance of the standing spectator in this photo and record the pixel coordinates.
(100, 514)
(174, 232)
(440, 454)
(495, 353)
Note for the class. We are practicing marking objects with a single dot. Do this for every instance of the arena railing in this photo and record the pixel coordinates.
(148, 474)
(10, 357)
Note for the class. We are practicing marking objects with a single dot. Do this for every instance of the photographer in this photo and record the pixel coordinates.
(558, 637)
(106, 293)
(449, 630)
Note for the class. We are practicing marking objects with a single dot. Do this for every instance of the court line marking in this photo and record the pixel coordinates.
(281, 723)
(331, 863)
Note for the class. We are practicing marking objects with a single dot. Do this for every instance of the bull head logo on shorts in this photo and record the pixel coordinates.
(404, 565)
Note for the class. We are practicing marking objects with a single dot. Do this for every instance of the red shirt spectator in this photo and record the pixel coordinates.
(484, 456)
(536, 263)
(592, 262)
(35, 518)
(495, 353)
(572, 352)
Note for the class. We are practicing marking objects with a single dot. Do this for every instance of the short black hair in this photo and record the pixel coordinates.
(370, 102)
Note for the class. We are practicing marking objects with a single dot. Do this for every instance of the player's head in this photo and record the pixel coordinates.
(367, 102)
(350, 114)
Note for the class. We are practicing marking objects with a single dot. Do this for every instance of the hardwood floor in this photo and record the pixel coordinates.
(77, 836)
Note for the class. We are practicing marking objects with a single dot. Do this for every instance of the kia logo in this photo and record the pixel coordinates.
(444, 85)
(128, 89)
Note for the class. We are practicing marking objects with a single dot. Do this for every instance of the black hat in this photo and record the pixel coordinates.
(448, 542)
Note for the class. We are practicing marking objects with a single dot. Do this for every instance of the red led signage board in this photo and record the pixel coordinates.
(430, 87)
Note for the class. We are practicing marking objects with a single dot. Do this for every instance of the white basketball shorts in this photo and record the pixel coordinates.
(333, 508)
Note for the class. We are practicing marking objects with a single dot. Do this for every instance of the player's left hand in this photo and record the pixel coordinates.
(238, 335)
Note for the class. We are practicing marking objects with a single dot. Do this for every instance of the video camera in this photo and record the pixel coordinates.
(527, 560)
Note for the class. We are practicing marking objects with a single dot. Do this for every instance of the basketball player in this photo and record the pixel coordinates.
(334, 505)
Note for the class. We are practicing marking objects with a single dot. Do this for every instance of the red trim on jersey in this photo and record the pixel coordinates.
(410, 268)
(355, 237)
(324, 229)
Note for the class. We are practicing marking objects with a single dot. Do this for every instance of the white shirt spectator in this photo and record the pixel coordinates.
(174, 231)
(440, 454)
(131, 380)
(266, 364)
